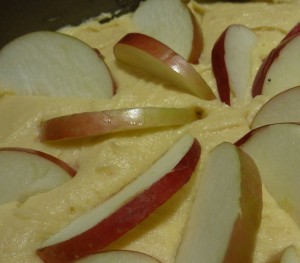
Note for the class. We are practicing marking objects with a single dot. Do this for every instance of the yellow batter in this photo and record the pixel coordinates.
(107, 163)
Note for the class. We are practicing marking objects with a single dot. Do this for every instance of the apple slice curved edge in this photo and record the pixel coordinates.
(226, 213)
(275, 150)
(156, 19)
(88, 124)
(91, 232)
(283, 107)
(279, 71)
(231, 62)
(25, 172)
(154, 57)
(54, 64)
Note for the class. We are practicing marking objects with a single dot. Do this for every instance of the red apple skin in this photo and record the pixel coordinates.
(114, 83)
(71, 171)
(197, 45)
(125, 218)
(87, 124)
(220, 70)
(171, 59)
(246, 228)
(264, 68)
(246, 137)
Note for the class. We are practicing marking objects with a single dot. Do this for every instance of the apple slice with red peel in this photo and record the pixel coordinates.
(154, 57)
(226, 213)
(279, 71)
(275, 149)
(25, 172)
(88, 124)
(54, 64)
(93, 231)
(156, 19)
(232, 62)
(290, 255)
(118, 256)
(283, 107)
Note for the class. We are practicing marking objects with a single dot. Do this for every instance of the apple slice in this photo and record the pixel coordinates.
(156, 19)
(226, 213)
(54, 64)
(118, 256)
(279, 71)
(102, 225)
(275, 149)
(290, 255)
(88, 124)
(26, 172)
(154, 57)
(232, 62)
(283, 107)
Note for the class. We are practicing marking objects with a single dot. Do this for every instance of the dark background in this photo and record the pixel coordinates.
(18, 17)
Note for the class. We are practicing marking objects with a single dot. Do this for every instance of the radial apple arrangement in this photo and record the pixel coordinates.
(129, 152)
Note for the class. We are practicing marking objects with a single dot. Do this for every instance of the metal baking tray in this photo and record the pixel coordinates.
(23, 16)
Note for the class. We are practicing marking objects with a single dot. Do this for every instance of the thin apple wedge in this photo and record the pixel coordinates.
(25, 172)
(156, 19)
(53, 64)
(226, 213)
(232, 62)
(118, 256)
(93, 231)
(283, 107)
(275, 149)
(88, 124)
(279, 71)
(154, 57)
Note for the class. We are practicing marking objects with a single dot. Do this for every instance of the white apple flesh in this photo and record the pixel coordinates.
(290, 255)
(88, 124)
(53, 64)
(275, 150)
(283, 107)
(226, 213)
(93, 231)
(118, 256)
(26, 172)
(156, 19)
(232, 62)
(154, 57)
(280, 70)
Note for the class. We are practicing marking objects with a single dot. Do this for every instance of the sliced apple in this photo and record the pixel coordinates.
(290, 255)
(25, 172)
(154, 57)
(102, 225)
(232, 62)
(275, 149)
(226, 213)
(96, 123)
(118, 256)
(156, 19)
(283, 107)
(54, 64)
(279, 71)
